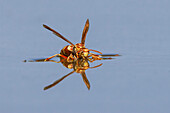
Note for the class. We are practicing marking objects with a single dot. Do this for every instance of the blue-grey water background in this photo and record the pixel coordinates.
(136, 82)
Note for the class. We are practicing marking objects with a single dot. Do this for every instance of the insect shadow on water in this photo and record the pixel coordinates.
(76, 57)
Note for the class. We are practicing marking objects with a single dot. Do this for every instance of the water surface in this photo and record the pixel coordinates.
(136, 82)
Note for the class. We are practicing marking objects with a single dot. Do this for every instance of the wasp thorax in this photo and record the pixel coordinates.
(79, 46)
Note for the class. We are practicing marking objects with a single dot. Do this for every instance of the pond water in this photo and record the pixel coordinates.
(136, 82)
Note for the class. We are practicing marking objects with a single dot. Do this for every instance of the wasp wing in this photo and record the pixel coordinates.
(58, 34)
(85, 30)
(57, 81)
(85, 80)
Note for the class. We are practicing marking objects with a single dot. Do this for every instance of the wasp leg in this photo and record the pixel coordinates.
(71, 58)
(98, 57)
(109, 55)
(91, 60)
(96, 66)
(79, 54)
(95, 51)
(94, 57)
(47, 59)
(54, 61)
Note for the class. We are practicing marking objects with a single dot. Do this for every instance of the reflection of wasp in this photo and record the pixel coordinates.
(78, 66)
(72, 52)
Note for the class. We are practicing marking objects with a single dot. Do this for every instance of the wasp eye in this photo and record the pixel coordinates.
(85, 54)
(70, 48)
(70, 66)
(85, 64)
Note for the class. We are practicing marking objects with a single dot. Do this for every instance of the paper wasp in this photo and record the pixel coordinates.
(73, 52)
(75, 57)
(79, 66)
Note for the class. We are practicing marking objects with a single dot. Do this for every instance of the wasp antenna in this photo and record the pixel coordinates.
(96, 66)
